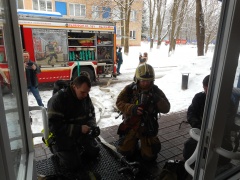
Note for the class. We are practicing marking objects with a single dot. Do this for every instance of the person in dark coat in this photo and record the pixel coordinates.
(31, 70)
(144, 58)
(194, 118)
(196, 109)
(119, 60)
(71, 118)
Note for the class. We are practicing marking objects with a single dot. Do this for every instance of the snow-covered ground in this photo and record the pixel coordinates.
(168, 71)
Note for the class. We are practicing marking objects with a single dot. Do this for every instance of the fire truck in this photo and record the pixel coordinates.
(65, 47)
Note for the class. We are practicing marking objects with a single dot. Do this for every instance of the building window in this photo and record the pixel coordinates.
(118, 35)
(61, 7)
(95, 12)
(20, 4)
(77, 10)
(106, 13)
(133, 15)
(42, 5)
(116, 14)
(132, 34)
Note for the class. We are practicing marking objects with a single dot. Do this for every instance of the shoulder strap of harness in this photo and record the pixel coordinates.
(131, 88)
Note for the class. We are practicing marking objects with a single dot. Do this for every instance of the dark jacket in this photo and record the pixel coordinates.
(142, 59)
(119, 57)
(31, 75)
(195, 110)
(130, 96)
(66, 115)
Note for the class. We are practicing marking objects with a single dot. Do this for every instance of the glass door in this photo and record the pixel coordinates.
(219, 151)
(16, 144)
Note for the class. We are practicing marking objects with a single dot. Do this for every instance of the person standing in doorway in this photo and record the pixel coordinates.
(31, 70)
(120, 60)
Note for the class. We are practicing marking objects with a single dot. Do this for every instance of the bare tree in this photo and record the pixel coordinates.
(125, 8)
(188, 30)
(120, 11)
(144, 20)
(180, 19)
(211, 16)
(156, 15)
(122, 23)
(161, 7)
(200, 28)
(151, 4)
(173, 23)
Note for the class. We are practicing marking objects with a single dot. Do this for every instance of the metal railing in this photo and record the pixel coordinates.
(44, 119)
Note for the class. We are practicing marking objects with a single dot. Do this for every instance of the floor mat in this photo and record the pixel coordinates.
(107, 166)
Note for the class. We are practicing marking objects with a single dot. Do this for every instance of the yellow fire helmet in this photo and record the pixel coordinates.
(145, 72)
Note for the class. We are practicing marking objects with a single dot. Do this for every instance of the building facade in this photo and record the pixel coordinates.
(93, 10)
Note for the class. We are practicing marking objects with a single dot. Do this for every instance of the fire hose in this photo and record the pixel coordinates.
(129, 169)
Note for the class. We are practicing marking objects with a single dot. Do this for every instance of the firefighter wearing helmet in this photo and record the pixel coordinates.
(140, 103)
(145, 72)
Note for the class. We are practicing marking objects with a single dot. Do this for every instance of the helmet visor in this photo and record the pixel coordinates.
(146, 75)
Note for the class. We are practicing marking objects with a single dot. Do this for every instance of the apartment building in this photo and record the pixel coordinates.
(94, 10)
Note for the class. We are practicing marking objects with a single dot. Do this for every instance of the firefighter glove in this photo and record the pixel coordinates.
(137, 110)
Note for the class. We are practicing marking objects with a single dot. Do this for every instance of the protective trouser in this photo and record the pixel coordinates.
(189, 147)
(73, 159)
(150, 146)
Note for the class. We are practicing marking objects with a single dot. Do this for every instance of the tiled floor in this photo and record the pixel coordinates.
(172, 138)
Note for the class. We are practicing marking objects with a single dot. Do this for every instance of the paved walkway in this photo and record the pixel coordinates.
(172, 138)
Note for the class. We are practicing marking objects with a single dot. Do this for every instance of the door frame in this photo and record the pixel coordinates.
(221, 82)
(14, 53)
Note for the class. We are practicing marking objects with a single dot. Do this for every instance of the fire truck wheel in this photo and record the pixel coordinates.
(84, 71)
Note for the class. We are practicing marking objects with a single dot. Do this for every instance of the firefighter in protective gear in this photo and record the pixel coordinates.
(51, 48)
(72, 122)
(141, 102)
